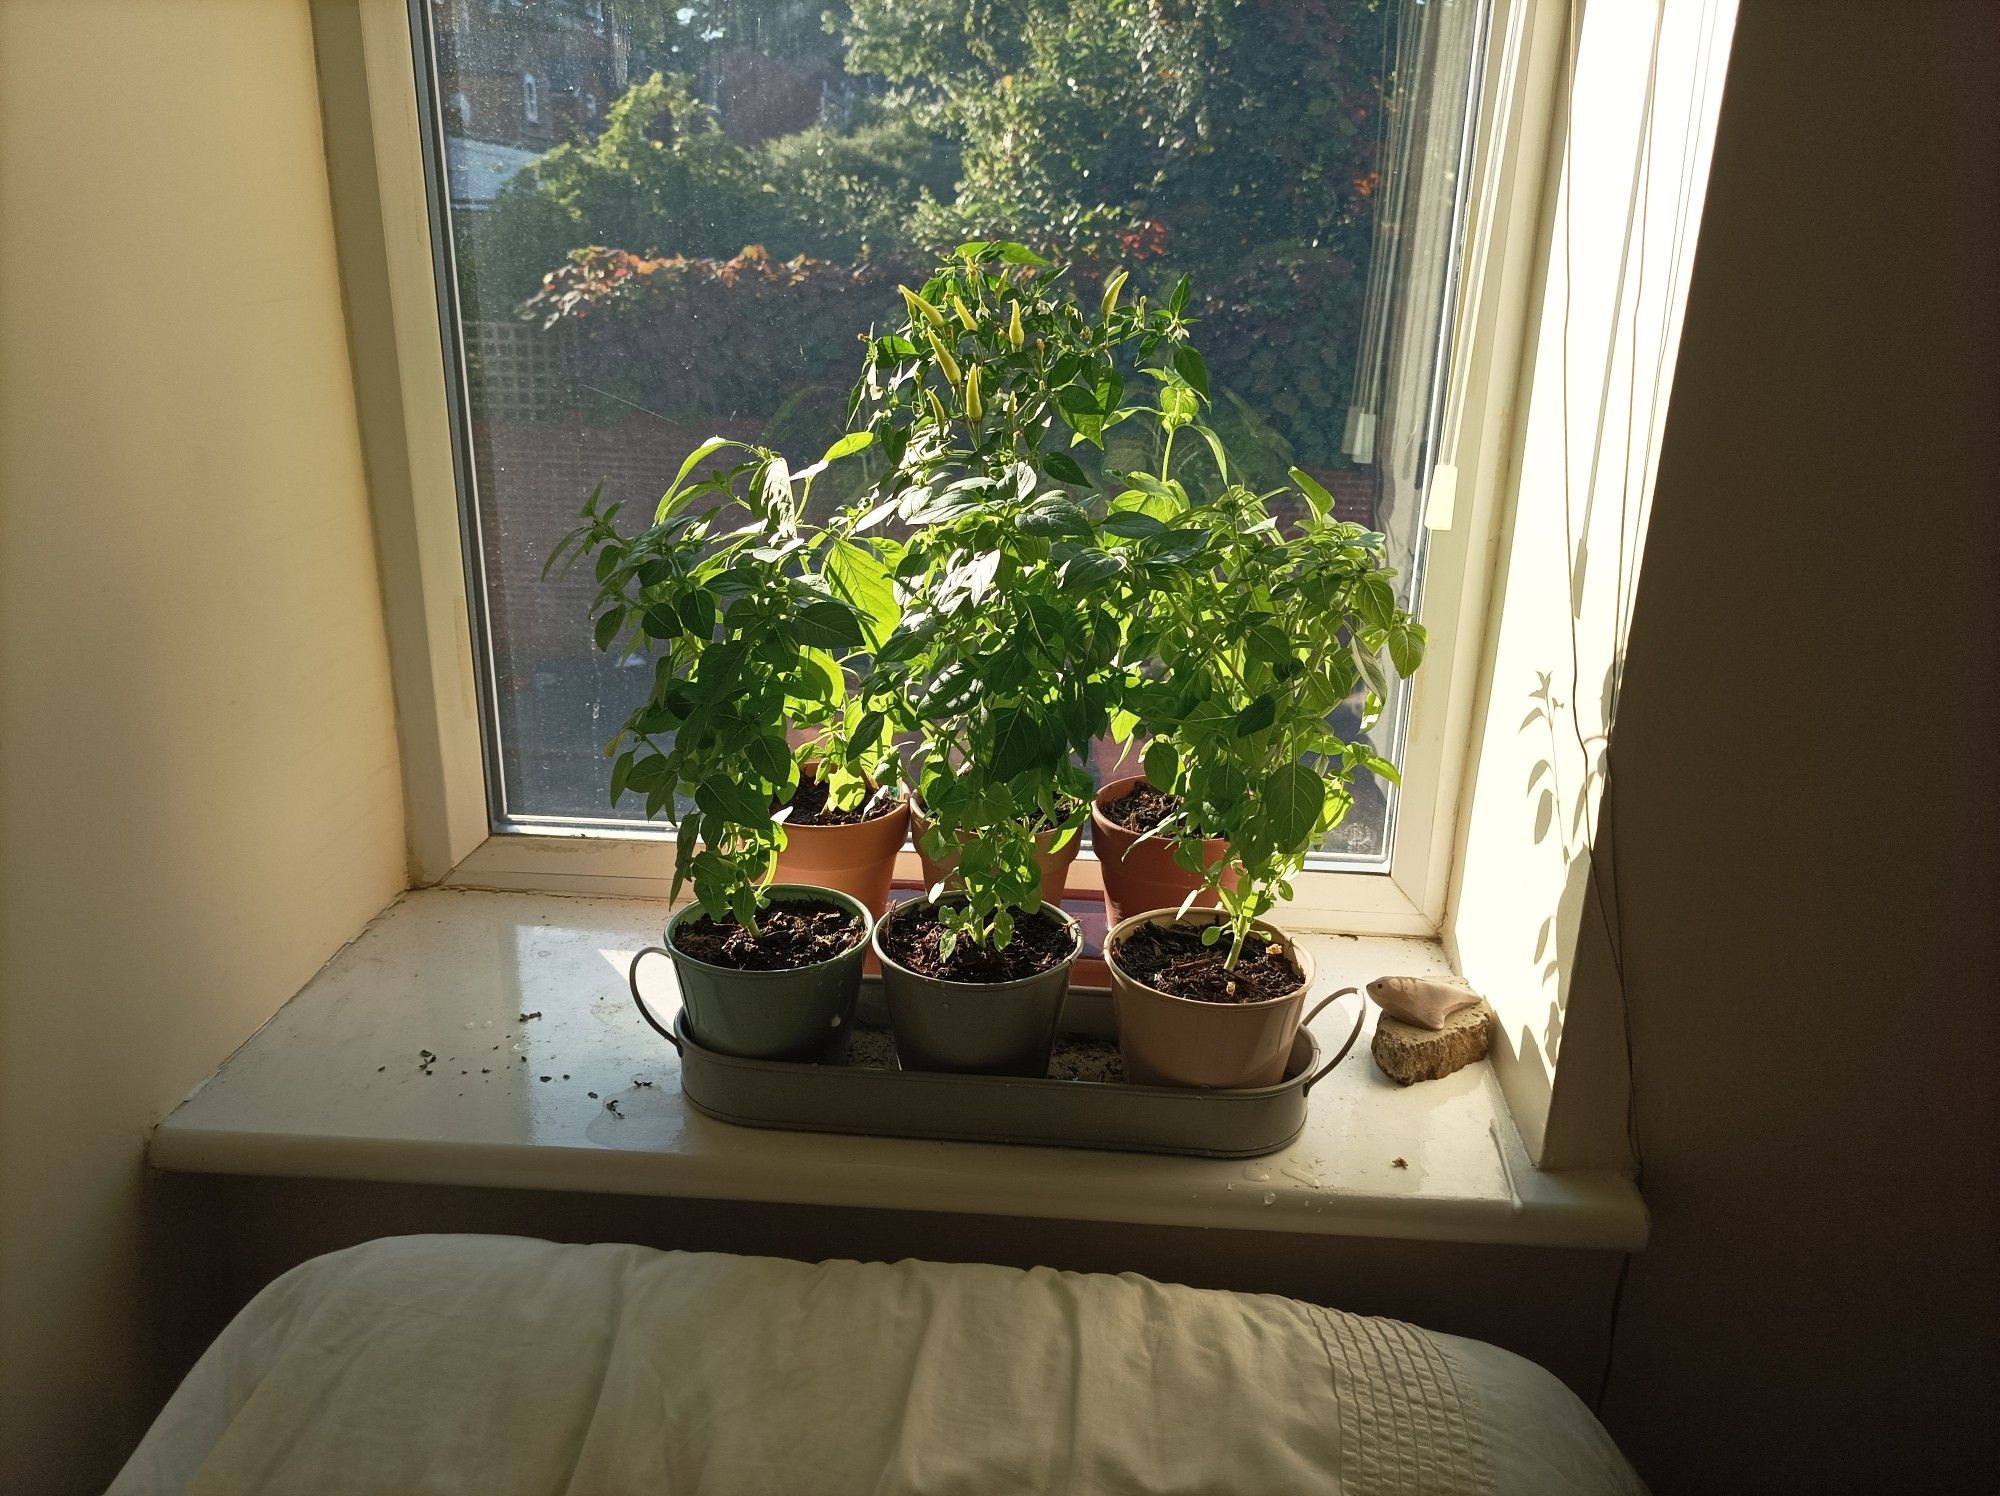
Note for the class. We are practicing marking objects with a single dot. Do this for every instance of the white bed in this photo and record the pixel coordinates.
(490, 1366)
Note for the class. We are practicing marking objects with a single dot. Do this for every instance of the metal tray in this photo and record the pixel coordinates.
(834, 1094)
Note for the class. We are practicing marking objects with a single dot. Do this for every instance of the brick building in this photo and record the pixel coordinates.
(517, 79)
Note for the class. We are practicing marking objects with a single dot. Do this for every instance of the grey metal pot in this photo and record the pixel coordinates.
(991, 1028)
(768, 1015)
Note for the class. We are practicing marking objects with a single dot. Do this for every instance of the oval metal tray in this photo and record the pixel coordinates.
(832, 1095)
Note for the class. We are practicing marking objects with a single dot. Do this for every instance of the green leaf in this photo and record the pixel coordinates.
(829, 625)
(1063, 468)
(866, 732)
(1055, 516)
(1085, 569)
(694, 459)
(647, 773)
(848, 445)
(1257, 716)
(608, 626)
(1293, 800)
(771, 756)
(1315, 492)
(1375, 599)
(1406, 646)
(1162, 764)
(1190, 366)
(697, 613)
(858, 575)
(1006, 249)
(1134, 524)
(1018, 743)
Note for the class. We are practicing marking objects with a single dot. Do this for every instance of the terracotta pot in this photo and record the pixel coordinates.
(991, 1028)
(769, 1015)
(1178, 1041)
(1143, 874)
(858, 860)
(1054, 864)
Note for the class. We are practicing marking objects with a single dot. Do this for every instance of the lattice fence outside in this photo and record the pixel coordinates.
(518, 372)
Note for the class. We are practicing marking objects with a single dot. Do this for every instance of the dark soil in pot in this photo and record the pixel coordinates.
(811, 806)
(790, 937)
(1141, 808)
(913, 937)
(1174, 961)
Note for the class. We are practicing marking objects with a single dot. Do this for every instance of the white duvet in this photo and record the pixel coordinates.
(490, 1366)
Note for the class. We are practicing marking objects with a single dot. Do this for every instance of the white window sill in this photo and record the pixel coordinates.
(332, 1088)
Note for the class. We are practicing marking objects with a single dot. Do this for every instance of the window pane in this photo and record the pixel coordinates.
(675, 220)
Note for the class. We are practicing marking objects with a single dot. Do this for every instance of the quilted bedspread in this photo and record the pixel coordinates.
(489, 1366)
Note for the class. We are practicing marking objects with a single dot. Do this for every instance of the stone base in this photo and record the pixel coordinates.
(1408, 1053)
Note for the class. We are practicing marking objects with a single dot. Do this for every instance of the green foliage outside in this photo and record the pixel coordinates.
(1231, 139)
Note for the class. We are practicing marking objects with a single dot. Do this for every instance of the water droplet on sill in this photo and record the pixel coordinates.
(1270, 1198)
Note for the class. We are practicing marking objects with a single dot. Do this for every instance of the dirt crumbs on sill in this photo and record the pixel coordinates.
(1093, 1060)
(914, 938)
(872, 1049)
(1174, 961)
(810, 807)
(1141, 808)
(790, 936)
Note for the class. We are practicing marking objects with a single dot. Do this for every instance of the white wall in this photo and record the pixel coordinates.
(199, 789)
(1524, 918)
(1804, 785)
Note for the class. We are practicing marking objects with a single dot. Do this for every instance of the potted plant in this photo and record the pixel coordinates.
(1262, 615)
(1005, 661)
(1150, 850)
(848, 815)
(748, 636)
(844, 832)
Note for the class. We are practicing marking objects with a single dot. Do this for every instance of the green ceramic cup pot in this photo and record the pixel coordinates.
(992, 1028)
(769, 1015)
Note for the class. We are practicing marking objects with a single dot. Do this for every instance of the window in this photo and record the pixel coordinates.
(1308, 164)
(531, 98)
(461, 110)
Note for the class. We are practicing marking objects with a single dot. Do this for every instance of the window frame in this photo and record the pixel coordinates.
(394, 233)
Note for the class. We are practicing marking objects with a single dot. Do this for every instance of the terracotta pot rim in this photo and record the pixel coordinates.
(797, 893)
(887, 960)
(1099, 819)
(1113, 937)
(901, 808)
(918, 814)
(916, 803)
(809, 769)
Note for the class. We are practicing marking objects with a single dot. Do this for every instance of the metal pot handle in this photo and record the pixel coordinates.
(1360, 1014)
(647, 1013)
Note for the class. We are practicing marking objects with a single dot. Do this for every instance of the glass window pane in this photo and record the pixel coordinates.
(673, 220)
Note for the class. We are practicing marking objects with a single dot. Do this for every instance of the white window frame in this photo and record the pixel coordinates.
(387, 225)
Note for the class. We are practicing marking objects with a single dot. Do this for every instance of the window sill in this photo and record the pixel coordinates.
(332, 1088)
